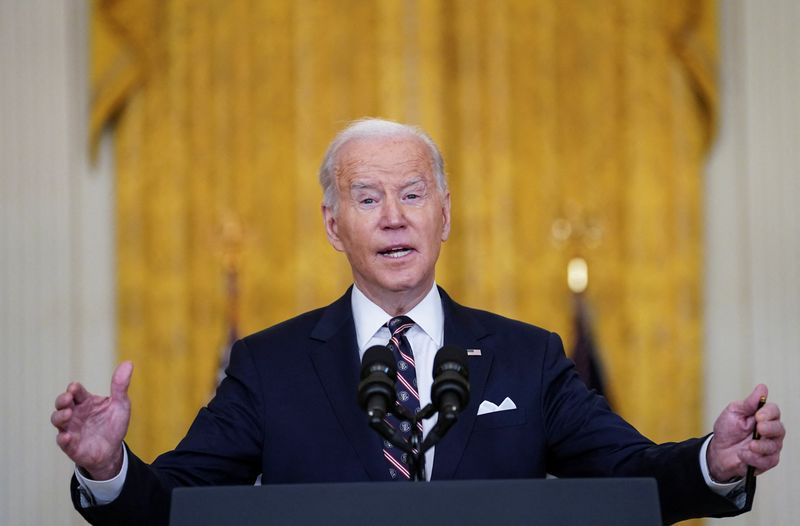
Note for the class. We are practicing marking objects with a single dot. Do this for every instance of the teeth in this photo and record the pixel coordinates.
(397, 253)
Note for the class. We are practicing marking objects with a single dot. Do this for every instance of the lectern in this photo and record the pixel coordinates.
(555, 502)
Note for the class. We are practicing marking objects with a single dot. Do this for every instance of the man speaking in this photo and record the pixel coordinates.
(287, 408)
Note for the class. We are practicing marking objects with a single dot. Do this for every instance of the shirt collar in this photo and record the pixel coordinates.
(369, 318)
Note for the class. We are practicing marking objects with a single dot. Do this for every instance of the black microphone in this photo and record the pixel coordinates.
(376, 392)
(450, 390)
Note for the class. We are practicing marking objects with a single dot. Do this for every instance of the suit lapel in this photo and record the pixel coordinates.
(337, 364)
(462, 330)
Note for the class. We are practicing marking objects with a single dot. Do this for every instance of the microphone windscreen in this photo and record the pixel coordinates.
(450, 357)
(378, 358)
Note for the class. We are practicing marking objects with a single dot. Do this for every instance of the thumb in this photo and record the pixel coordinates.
(121, 380)
(750, 404)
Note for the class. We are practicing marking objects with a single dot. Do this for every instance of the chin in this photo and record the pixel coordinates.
(406, 285)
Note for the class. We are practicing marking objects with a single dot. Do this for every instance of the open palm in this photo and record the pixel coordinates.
(91, 428)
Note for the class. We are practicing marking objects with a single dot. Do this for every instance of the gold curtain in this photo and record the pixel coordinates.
(569, 128)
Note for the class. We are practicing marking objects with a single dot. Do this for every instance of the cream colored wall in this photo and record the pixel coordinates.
(753, 233)
(56, 284)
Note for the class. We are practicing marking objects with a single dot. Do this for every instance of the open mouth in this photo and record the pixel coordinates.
(395, 252)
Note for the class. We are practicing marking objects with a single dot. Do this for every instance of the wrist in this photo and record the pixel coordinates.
(107, 470)
(720, 470)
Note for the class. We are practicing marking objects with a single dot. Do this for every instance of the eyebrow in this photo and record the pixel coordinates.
(360, 185)
(414, 182)
(357, 185)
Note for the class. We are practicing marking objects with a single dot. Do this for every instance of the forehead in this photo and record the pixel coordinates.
(377, 158)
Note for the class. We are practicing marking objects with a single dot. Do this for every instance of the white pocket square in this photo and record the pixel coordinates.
(487, 407)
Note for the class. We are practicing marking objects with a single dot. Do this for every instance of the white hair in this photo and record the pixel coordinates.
(369, 128)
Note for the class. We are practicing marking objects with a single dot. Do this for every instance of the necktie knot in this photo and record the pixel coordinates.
(399, 325)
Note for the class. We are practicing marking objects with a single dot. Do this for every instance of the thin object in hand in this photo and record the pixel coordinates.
(750, 479)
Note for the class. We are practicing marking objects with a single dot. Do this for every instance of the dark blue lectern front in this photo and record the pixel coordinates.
(559, 502)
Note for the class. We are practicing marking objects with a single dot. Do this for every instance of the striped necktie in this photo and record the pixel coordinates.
(407, 395)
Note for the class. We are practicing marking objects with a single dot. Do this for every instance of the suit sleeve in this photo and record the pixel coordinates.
(223, 446)
(586, 439)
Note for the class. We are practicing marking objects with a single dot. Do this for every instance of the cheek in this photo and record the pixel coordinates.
(360, 246)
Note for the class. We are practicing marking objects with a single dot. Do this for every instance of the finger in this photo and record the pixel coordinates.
(761, 463)
(63, 440)
(768, 412)
(750, 404)
(121, 380)
(771, 429)
(78, 392)
(765, 448)
(60, 418)
(64, 400)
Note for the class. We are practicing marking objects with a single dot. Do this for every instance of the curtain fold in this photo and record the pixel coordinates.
(569, 128)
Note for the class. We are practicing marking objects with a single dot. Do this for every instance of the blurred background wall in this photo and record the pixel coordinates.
(59, 273)
(752, 233)
(57, 284)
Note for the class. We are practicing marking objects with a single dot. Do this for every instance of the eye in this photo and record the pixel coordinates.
(412, 196)
(367, 201)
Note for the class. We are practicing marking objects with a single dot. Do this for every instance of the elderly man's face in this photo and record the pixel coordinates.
(391, 218)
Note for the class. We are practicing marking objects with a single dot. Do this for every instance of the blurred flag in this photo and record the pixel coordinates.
(231, 320)
(585, 353)
(230, 242)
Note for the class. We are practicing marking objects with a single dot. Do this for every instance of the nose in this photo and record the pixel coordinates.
(393, 215)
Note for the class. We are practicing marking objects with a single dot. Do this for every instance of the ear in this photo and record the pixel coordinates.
(332, 228)
(446, 216)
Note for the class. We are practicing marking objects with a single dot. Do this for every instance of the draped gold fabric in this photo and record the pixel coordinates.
(569, 128)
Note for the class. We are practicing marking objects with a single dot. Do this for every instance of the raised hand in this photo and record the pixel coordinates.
(91, 427)
(733, 449)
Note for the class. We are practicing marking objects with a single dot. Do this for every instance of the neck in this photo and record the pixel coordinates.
(396, 303)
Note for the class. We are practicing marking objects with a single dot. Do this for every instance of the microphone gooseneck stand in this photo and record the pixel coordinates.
(416, 448)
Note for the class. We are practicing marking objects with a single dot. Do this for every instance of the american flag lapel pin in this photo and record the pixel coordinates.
(473, 352)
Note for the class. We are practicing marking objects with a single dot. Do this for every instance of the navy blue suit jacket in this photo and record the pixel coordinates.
(287, 409)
